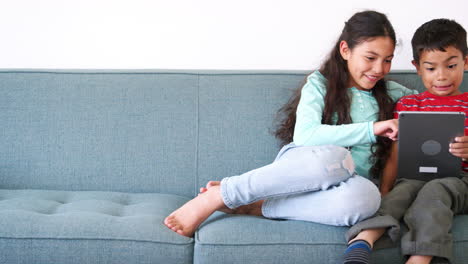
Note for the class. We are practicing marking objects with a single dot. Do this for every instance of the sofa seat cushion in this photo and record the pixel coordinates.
(31, 219)
(249, 239)
(252, 239)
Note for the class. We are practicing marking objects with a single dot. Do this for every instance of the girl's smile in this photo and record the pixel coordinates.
(373, 78)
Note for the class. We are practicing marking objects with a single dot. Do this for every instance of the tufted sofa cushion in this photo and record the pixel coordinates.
(277, 241)
(118, 226)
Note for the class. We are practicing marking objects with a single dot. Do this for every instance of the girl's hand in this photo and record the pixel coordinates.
(388, 128)
(460, 147)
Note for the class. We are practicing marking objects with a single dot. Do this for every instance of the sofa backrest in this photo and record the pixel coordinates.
(140, 131)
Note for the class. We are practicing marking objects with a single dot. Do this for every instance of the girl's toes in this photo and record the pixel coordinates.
(212, 183)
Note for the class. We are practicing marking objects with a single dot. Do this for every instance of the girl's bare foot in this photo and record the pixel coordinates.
(419, 260)
(209, 185)
(188, 218)
(250, 209)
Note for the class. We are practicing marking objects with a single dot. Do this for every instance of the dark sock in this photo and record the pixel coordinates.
(357, 252)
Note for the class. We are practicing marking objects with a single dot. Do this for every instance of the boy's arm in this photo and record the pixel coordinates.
(390, 171)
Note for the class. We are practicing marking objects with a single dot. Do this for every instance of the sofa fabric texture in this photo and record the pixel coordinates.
(92, 161)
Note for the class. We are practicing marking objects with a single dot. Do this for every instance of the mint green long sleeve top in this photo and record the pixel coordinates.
(359, 135)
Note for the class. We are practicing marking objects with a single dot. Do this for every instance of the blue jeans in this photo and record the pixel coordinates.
(314, 183)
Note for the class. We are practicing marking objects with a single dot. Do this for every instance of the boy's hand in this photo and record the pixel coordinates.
(460, 147)
(387, 128)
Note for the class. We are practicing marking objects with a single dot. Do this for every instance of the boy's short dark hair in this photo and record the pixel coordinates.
(438, 34)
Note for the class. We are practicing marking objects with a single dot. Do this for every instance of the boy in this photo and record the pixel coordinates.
(427, 208)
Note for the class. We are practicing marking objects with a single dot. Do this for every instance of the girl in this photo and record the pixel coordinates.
(315, 178)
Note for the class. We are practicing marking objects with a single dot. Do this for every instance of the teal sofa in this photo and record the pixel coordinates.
(92, 161)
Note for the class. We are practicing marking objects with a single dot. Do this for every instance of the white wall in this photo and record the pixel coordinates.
(198, 34)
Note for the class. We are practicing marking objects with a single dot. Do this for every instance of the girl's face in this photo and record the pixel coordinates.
(368, 62)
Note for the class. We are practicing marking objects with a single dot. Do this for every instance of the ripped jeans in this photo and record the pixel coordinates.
(313, 183)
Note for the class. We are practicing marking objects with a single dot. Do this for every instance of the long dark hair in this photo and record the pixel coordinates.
(362, 26)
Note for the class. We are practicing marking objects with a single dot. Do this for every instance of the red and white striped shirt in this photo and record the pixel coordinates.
(428, 102)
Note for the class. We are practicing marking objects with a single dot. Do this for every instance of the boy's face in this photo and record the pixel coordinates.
(442, 72)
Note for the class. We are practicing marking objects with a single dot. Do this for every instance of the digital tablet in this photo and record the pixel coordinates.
(423, 144)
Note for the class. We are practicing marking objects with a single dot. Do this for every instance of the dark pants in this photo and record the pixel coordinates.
(427, 208)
